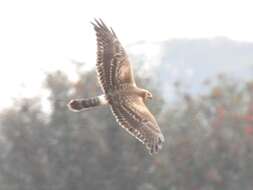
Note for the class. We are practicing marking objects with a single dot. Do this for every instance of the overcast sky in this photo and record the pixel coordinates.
(38, 36)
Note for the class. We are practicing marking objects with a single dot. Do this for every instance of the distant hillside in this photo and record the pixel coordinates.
(192, 61)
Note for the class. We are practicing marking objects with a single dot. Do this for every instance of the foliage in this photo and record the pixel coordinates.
(209, 141)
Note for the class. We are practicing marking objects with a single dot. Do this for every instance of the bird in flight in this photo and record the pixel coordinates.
(120, 92)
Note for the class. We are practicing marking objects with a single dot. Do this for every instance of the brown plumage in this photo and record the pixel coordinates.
(126, 100)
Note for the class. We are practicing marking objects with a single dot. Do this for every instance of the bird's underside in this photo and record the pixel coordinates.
(125, 99)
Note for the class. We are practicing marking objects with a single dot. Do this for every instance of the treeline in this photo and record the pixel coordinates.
(209, 141)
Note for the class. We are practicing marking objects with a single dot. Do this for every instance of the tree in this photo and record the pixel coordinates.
(208, 141)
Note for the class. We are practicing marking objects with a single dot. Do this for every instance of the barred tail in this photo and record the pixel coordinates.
(84, 104)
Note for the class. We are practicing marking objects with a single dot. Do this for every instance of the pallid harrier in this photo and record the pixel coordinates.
(127, 101)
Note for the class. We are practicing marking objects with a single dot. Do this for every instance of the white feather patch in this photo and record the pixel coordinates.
(102, 99)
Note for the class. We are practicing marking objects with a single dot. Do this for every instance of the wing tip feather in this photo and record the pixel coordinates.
(156, 145)
(99, 24)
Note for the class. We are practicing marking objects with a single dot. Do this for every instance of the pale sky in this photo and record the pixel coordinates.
(39, 36)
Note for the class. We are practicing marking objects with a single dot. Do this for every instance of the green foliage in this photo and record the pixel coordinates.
(209, 141)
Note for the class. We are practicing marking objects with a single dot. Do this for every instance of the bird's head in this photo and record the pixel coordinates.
(147, 95)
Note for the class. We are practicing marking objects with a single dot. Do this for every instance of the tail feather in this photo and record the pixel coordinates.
(87, 103)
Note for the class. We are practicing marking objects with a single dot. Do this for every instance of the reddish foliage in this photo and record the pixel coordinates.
(248, 130)
(221, 112)
(247, 117)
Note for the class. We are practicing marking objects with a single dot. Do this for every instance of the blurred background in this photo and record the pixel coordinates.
(195, 56)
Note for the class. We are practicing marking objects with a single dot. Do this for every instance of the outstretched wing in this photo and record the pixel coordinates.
(113, 67)
(133, 115)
